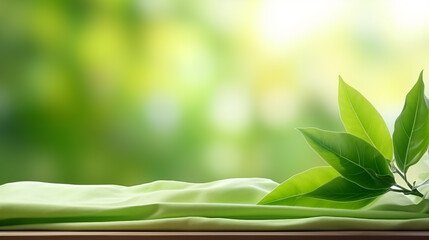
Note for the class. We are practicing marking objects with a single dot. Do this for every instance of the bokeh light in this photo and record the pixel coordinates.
(128, 92)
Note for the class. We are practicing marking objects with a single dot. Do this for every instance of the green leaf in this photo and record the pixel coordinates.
(341, 189)
(295, 191)
(352, 157)
(360, 118)
(411, 135)
(427, 101)
(427, 104)
(305, 201)
(300, 184)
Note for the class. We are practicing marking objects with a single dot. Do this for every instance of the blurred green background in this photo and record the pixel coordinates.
(128, 92)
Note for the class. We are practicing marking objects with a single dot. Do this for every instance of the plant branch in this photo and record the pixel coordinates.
(405, 191)
(423, 183)
(402, 175)
(412, 188)
(396, 190)
(401, 187)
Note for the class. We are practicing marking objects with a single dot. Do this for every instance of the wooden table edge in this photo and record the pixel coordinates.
(220, 235)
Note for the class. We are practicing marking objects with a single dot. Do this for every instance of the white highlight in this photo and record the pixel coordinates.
(284, 22)
(230, 109)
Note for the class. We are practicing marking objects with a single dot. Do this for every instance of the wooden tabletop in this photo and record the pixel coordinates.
(289, 235)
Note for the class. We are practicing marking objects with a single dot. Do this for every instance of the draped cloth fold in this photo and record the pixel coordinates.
(224, 205)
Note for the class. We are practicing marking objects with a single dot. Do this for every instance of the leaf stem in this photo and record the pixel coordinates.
(396, 190)
(405, 191)
(401, 187)
(415, 192)
(412, 188)
(423, 183)
(402, 175)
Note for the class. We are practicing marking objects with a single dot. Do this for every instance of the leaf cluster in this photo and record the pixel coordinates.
(363, 160)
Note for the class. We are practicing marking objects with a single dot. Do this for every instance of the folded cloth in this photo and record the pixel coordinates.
(223, 205)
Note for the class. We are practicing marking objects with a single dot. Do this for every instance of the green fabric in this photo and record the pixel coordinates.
(228, 204)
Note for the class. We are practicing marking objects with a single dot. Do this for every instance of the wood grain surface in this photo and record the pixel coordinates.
(289, 235)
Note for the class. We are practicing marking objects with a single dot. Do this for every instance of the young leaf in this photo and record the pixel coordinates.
(411, 134)
(352, 157)
(360, 118)
(341, 189)
(300, 184)
(296, 191)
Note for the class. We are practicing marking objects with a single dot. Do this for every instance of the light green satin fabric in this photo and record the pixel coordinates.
(228, 204)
